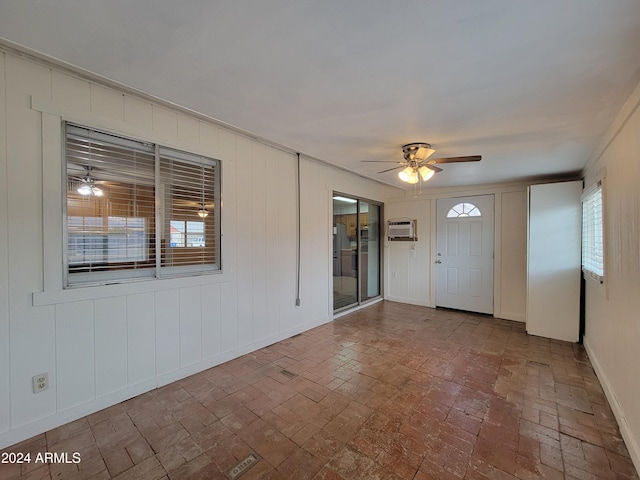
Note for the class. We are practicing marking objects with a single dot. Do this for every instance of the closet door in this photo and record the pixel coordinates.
(553, 260)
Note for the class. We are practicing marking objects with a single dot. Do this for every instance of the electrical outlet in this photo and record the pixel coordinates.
(394, 274)
(40, 382)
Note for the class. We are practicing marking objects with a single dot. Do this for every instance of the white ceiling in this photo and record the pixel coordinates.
(529, 85)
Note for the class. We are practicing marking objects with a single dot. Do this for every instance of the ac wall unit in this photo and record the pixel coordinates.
(402, 230)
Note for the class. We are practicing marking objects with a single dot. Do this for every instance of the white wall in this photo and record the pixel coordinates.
(410, 276)
(612, 336)
(101, 345)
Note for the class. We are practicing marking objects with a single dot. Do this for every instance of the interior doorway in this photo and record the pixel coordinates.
(356, 251)
(465, 251)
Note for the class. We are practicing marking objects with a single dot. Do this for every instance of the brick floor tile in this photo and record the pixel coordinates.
(352, 464)
(324, 445)
(302, 465)
(397, 458)
(389, 392)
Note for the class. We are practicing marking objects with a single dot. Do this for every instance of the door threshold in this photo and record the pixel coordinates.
(465, 311)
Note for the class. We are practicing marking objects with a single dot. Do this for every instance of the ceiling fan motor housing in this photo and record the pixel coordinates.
(417, 152)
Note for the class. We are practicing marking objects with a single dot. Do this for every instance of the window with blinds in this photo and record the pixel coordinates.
(592, 233)
(189, 186)
(136, 210)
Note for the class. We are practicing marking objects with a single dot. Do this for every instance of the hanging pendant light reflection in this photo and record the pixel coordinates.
(90, 189)
(88, 185)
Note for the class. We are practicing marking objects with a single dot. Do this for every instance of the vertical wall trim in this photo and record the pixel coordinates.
(52, 222)
(497, 256)
(433, 238)
(298, 227)
(5, 328)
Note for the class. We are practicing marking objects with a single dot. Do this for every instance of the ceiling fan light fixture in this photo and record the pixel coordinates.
(405, 175)
(416, 167)
(426, 173)
(409, 175)
(97, 191)
(203, 212)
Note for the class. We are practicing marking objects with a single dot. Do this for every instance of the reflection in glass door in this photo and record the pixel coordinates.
(345, 252)
(356, 251)
(369, 251)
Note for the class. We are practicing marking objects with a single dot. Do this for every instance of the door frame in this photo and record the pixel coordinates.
(497, 244)
(359, 302)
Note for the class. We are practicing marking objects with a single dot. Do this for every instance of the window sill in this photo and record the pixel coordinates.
(593, 277)
(80, 293)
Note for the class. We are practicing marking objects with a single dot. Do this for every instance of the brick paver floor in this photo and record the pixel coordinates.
(389, 392)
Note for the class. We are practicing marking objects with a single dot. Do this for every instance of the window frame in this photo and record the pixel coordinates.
(157, 271)
(464, 214)
(592, 231)
(168, 157)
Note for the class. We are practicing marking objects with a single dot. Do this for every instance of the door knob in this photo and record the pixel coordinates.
(438, 261)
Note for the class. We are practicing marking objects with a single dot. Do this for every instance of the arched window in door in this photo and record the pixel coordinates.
(464, 210)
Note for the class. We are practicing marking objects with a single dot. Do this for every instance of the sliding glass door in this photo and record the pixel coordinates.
(369, 250)
(356, 250)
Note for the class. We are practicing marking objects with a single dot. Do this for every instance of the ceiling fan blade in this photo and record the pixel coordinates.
(380, 161)
(470, 158)
(392, 168)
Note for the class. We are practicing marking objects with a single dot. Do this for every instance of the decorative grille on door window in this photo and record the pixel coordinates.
(464, 210)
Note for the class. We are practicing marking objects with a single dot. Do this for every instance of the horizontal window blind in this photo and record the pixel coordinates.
(137, 210)
(110, 221)
(592, 233)
(189, 191)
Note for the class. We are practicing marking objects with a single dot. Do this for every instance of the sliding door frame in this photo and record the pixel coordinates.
(359, 255)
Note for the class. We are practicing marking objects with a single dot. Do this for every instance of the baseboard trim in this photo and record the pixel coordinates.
(37, 427)
(24, 432)
(627, 435)
(516, 317)
(409, 301)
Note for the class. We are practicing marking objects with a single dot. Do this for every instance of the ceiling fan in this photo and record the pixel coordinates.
(418, 166)
(88, 184)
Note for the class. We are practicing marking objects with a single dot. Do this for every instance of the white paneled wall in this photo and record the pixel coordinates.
(74, 347)
(513, 253)
(101, 345)
(409, 265)
(110, 319)
(612, 331)
(410, 276)
(5, 375)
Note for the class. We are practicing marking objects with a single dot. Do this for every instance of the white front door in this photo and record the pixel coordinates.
(464, 258)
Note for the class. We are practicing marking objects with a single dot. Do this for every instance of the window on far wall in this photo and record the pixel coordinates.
(464, 210)
(592, 233)
(125, 221)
